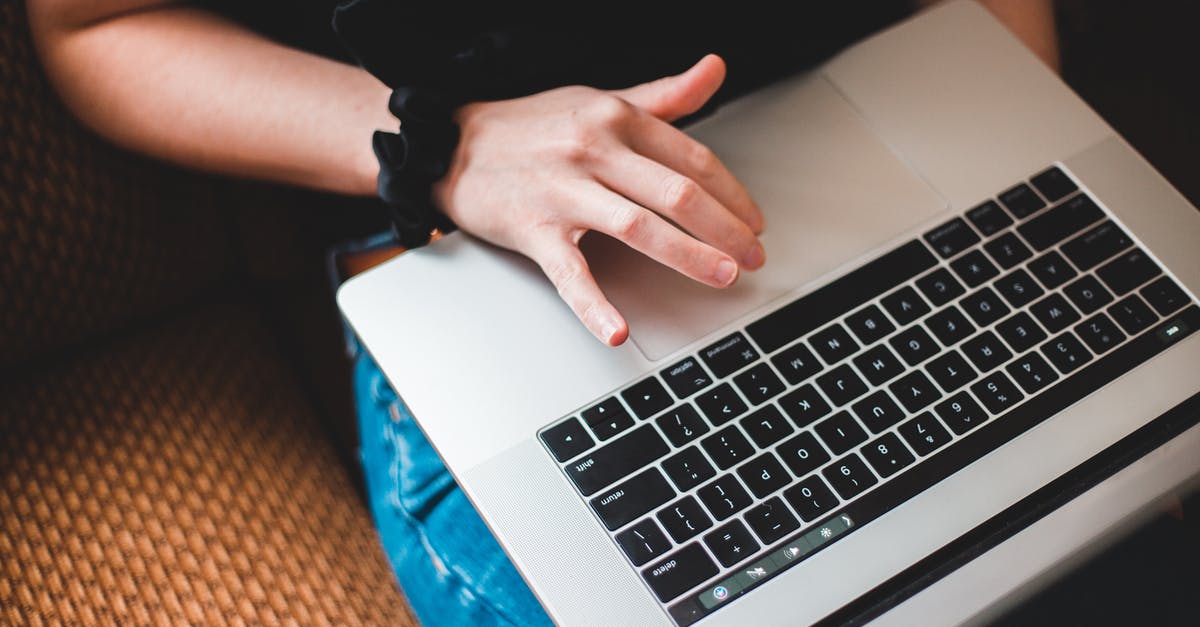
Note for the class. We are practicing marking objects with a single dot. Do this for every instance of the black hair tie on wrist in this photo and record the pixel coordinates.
(413, 159)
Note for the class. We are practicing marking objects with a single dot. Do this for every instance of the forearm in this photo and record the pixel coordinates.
(193, 88)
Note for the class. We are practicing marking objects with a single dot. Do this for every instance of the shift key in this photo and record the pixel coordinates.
(617, 459)
(630, 499)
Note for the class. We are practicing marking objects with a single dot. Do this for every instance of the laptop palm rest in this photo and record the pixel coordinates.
(830, 190)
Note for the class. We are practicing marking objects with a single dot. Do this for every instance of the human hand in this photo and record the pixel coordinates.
(534, 174)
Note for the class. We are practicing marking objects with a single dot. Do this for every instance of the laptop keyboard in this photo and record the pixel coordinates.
(769, 444)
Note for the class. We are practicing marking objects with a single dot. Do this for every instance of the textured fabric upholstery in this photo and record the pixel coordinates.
(161, 457)
(91, 238)
(180, 477)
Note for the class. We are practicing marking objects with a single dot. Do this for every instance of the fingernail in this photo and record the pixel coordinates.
(755, 257)
(726, 272)
(608, 330)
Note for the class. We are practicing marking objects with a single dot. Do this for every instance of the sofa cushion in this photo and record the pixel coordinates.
(91, 238)
(180, 476)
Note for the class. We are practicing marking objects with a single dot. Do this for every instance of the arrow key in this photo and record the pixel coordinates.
(647, 397)
(567, 440)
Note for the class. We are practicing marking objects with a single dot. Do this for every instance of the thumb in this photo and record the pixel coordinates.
(673, 97)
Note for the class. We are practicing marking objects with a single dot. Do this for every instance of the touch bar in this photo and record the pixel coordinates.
(816, 309)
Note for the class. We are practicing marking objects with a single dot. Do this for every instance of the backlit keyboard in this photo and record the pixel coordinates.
(745, 458)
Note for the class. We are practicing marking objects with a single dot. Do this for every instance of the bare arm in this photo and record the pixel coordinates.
(190, 87)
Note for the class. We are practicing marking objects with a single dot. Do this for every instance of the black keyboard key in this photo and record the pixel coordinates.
(878, 411)
(1097, 244)
(849, 476)
(1007, 250)
(984, 307)
(961, 413)
(643, 542)
(986, 351)
(1052, 270)
(1021, 201)
(804, 405)
(1018, 288)
(611, 427)
(679, 572)
(940, 287)
(870, 325)
(1060, 222)
(724, 497)
(771, 521)
(878, 365)
(764, 475)
(841, 385)
(647, 397)
(688, 469)
(1132, 314)
(728, 355)
(684, 519)
(905, 305)
(1099, 333)
(887, 455)
(1066, 353)
(974, 269)
(924, 434)
(682, 425)
(997, 392)
(796, 363)
(1087, 294)
(989, 218)
(951, 238)
(915, 391)
(1054, 313)
(759, 384)
(631, 498)
(803, 454)
(567, 440)
(731, 543)
(833, 344)
(806, 314)
(1032, 372)
(686, 377)
(811, 498)
(1165, 296)
(1054, 184)
(1021, 332)
(1128, 271)
(607, 418)
(914, 345)
(950, 326)
(617, 459)
(721, 404)
(951, 371)
(728, 447)
(840, 432)
(767, 426)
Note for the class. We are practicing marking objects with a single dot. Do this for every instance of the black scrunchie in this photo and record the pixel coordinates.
(411, 160)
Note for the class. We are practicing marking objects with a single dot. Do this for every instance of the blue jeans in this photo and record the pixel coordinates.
(449, 565)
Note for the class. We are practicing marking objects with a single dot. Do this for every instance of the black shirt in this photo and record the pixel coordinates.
(501, 51)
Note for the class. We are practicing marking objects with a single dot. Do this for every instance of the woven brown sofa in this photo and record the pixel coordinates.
(163, 459)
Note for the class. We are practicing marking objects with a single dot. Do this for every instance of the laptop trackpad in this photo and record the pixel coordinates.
(831, 191)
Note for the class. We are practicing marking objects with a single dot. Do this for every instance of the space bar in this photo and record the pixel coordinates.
(818, 308)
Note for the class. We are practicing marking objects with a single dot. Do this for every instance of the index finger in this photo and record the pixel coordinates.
(658, 140)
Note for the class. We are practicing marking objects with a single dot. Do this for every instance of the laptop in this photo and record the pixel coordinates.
(970, 359)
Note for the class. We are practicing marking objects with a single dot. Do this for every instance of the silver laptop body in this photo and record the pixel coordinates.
(875, 152)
